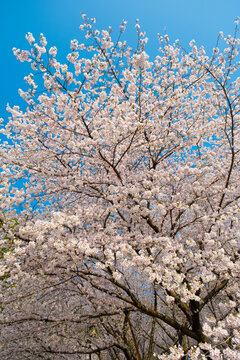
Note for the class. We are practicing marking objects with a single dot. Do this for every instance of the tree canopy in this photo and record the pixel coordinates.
(126, 172)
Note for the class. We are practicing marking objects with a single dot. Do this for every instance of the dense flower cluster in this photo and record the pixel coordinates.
(127, 173)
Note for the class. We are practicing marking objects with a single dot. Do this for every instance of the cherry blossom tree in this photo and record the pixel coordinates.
(127, 174)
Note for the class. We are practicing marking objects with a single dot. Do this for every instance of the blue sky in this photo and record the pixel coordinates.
(59, 21)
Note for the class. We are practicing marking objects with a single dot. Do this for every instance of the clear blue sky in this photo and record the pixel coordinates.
(59, 21)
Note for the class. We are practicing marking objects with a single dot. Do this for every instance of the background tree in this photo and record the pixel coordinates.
(132, 167)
